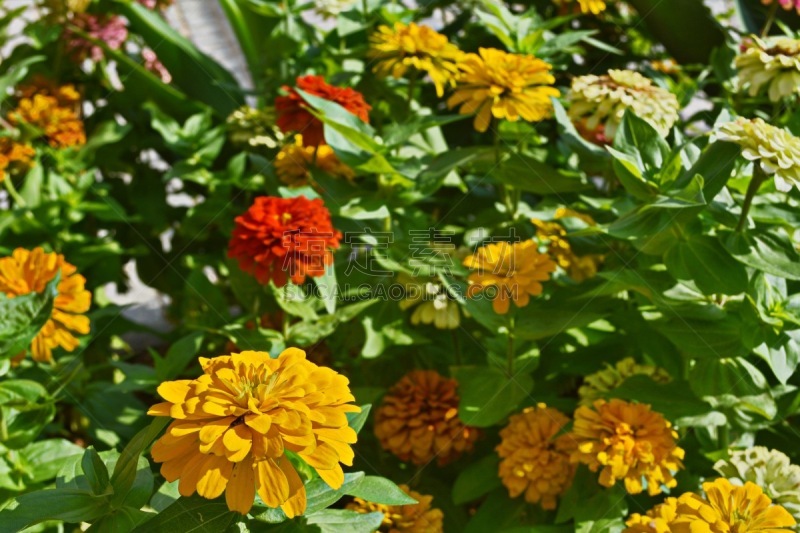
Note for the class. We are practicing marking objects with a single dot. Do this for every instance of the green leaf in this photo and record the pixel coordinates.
(530, 175)
(497, 513)
(318, 495)
(635, 137)
(586, 500)
(25, 408)
(95, 471)
(119, 520)
(715, 165)
(43, 459)
(476, 480)
(702, 259)
(540, 319)
(782, 355)
(125, 470)
(488, 395)
(68, 505)
(380, 490)
(357, 420)
(195, 514)
(178, 356)
(344, 521)
(711, 339)
(767, 251)
(16, 73)
(328, 288)
(674, 399)
(23, 317)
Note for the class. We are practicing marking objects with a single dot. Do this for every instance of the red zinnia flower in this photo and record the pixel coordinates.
(293, 114)
(284, 238)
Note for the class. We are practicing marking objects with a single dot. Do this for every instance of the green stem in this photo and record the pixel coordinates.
(412, 83)
(510, 351)
(456, 347)
(12, 192)
(770, 19)
(759, 177)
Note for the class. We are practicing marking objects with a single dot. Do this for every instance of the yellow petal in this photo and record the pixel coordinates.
(241, 491)
(273, 487)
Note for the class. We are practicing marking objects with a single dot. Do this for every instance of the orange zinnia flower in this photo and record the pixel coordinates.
(284, 238)
(292, 110)
(629, 442)
(14, 156)
(52, 109)
(27, 271)
(418, 420)
(234, 424)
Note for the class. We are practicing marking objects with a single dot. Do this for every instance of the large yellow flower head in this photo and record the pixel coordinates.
(27, 271)
(235, 424)
(579, 268)
(505, 86)
(506, 272)
(415, 518)
(774, 149)
(418, 420)
(770, 469)
(611, 377)
(726, 508)
(534, 458)
(294, 162)
(773, 63)
(629, 442)
(598, 103)
(14, 157)
(401, 47)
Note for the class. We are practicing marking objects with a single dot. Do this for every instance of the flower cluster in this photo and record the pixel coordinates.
(294, 162)
(725, 508)
(27, 271)
(629, 442)
(535, 455)
(611, 377)
(772, 63)
(431, 301)
(416, 518)
(293, 111)
(109, 29)
(278, 239)
(14, 156)
(54, 111)
(598, 103)
(494, 83)
(771, 470)
(774, 150)
(422, 48)
(418, 420)
(509, 272)
(234, 426)
(578, 267)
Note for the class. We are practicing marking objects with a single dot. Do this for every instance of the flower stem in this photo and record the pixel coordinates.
(759, 177)
(510, 351)
(12, 192)
(773, 11)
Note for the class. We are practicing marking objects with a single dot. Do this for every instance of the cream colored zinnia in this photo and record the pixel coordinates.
(774, 150)
(598, 103)
(771, 470)
(611, 377)
(772, 63)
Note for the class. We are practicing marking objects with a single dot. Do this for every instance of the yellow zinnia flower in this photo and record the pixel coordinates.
(14, 156)
(726, 508)
(534, 458)
(774, 63)
(598, 103)
(415, 518)
(507, 272)
(234, 424)
(411, 46)
(592, 6)
(774, 150)
(27, 271)
(611, 377)
(294, 162)
(432, 304)
(506, 86)
(418, 420)
(627, 441)
(579, 268)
